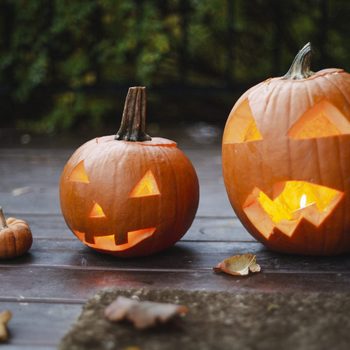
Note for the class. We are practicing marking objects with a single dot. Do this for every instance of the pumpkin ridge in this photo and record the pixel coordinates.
(340, 90)
(316, 151)
(315, 140)
(15, 237)
(114, 168)
(176, 189)
(267, 110)
(344, 212)
(289, 109)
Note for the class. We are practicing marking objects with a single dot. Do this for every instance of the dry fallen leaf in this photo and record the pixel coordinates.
(5, 317)
(238, 265)
(143, 314)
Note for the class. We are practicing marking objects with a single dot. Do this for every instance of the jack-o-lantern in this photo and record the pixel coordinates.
(129, 195)
(286, 160)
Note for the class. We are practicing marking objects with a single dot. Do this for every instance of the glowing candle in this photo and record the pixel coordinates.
(303, 201)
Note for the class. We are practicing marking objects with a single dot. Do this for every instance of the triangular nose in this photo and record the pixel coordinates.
(97, 211)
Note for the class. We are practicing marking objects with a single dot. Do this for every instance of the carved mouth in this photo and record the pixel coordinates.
(294, 201)
(108, 242)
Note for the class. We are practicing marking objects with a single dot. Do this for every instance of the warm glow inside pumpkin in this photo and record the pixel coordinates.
(146, 187)
(286, 160)
(242, 128)
(97, 212)
(79, 174)
(297, 200)
(129, 195)
(322, 120)
(107, 243)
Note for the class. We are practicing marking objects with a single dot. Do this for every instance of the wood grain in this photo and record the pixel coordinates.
(80, 283)
(184, 256)
(202, 229)
(39, 170)
(38, 326)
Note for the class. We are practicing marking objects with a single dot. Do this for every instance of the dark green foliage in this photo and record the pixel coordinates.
(68, 63)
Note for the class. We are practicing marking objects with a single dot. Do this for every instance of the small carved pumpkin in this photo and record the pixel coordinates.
(15, 237)
(286, 160)
(129, 194)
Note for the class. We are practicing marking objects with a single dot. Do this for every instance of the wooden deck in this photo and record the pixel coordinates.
(46, 288)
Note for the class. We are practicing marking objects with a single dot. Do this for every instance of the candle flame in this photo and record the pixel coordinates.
(303, 201)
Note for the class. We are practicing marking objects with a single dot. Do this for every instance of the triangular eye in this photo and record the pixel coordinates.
(79, 174)
(322, 120)
(147, 186)
(241, 127)
(97, 211)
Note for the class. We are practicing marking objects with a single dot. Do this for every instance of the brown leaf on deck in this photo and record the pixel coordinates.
(238, 265)
(143, 314)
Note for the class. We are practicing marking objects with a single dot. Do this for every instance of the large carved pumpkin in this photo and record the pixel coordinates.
(129, 195)
(286, 160)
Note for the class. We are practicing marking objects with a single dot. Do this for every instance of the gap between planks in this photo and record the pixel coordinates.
(42, 300)
(208, 217)
(73, 239)
(156, 270)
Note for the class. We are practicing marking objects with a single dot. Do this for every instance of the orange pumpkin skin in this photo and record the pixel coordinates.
(15, 237)
(132, 199)
(301, 137)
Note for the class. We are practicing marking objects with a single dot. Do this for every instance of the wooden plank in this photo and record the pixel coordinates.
(80, 284)
(183, 257)
(41, 199)
(202, 229)
(38, 170)
(38, 326)
(28, 347)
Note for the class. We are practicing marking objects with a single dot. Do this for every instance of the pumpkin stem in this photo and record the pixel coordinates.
(300, 68)
(132, 127)
(3, 223)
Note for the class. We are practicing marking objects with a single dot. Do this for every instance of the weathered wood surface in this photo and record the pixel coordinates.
(185, 256)
(37, 173)
(39, 326)
(46, 288)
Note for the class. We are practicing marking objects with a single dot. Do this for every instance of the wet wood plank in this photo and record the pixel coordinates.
(38, 326)
(73, 284)
(202, 229)
(28, 347)
(37, 174)
(186, 255)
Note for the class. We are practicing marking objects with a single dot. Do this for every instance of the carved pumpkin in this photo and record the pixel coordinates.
(286, 160)
(129, 195)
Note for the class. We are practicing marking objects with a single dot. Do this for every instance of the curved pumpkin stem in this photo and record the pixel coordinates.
(300, 68)
(132, 127)
(3, 223)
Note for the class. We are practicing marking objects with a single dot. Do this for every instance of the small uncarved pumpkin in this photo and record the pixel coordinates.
(286, 160)
(15, 237)
(129, 194)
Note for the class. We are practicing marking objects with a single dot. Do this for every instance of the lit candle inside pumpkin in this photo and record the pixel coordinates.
(303, 200)
(303, 207)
